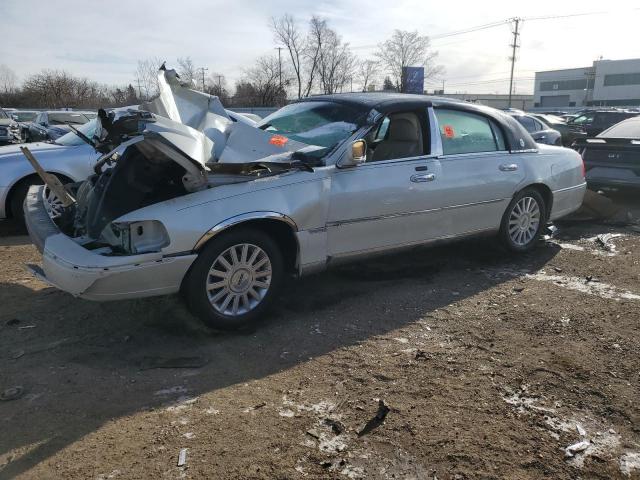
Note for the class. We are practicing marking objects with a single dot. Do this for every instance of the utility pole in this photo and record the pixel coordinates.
(514, 46)
(139, 90)
(202, 70)
(280, 66)
(443, 86)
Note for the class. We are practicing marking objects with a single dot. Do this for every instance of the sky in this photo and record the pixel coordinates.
(103, 40)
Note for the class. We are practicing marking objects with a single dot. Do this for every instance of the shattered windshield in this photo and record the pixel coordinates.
(71, 139)
(324, 124)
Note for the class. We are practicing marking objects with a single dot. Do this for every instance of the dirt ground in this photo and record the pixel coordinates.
(490, 365)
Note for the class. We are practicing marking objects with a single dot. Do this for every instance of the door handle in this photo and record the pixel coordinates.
(508, 167)
(421, 168)
(425, 177)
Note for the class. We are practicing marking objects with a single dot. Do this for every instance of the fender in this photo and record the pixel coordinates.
(238, 219)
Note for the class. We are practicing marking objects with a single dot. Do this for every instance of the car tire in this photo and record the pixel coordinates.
(18, 196)
(229, 285)
(523, 221)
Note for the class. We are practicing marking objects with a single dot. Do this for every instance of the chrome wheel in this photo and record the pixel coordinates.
(239, 279)
(524, 221)
(52, 203)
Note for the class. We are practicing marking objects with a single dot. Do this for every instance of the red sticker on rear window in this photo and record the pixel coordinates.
(448, 131)
(278, 140)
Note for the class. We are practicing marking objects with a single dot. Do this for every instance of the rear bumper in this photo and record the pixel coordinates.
(72, 268)
(613, 176)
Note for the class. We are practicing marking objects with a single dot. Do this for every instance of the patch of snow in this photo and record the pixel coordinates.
(600, 289)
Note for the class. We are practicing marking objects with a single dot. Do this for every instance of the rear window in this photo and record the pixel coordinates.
(62, 118)
(629, 128)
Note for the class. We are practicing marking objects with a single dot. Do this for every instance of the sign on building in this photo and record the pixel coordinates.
(413, 80)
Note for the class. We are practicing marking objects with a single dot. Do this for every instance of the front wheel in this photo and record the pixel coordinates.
(235, 279)
(523, 221)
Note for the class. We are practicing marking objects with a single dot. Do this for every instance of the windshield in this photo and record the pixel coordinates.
(25, 116)
(582, 119)
(62, 118)
(71, 139)
(325, 124)
(552, 119)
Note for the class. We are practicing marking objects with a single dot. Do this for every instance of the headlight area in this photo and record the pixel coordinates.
(134, 238)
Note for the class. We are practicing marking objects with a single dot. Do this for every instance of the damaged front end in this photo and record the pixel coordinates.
(160, 151)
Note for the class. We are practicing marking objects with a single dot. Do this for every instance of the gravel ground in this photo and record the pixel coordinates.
(487, 366)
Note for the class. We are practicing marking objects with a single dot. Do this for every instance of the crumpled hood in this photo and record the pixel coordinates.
(197, 124)
(6, 122)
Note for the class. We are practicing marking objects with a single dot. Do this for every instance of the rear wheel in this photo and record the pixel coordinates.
(235, 279)
(523, 221)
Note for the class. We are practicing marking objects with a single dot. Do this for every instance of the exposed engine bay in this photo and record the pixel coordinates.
(168, 148)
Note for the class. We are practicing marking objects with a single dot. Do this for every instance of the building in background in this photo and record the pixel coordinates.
(605, 83)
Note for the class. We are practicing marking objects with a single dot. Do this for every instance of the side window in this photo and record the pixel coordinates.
(527, 122)
(466, 132)
(539, 126)
(382, 130)
(399, 135)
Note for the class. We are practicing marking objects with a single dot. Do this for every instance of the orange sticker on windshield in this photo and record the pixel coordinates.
(278, 140)
(448, 131)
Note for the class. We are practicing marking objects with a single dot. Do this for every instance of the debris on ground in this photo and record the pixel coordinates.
(377, 420)
(336, 426)
(581, 446)
(11, 393)
(182, 457)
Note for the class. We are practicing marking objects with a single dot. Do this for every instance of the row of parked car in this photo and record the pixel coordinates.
(24, 126)
(557, 128)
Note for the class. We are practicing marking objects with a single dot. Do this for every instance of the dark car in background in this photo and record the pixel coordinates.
(541, 132)
(593, 122)
(569, 135)
(52, 124)
(612, 158)
(23, 119)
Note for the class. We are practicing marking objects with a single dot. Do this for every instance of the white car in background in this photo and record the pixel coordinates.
(69, 158)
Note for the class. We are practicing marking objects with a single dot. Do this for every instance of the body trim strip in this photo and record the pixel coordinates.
(405, 214)
(570, 188)
(244, 217)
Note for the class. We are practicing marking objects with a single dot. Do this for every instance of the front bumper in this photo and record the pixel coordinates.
(70, 267)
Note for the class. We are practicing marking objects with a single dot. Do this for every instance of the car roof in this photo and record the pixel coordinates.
(380, 100)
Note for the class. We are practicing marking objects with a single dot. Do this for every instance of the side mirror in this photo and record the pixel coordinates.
(356, 155)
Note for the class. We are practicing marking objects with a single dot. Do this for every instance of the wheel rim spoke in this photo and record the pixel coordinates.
(239, 279)
(524, 221)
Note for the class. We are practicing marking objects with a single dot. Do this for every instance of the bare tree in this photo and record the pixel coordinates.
(147, 77)
(57, 89)
(260, 86)
(286, 31)
(8, 79)
(313, 49)
(407, 49)
(367, 72)
(335, 62)
(187, 70)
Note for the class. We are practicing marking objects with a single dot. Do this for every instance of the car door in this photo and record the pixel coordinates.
(394, 198)
(481, 174)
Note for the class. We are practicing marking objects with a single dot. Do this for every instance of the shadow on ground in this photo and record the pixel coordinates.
(82, 364)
